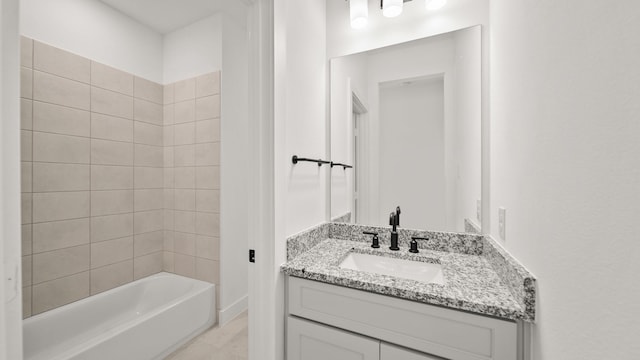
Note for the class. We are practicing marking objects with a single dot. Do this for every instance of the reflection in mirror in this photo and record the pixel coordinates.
(408, 117)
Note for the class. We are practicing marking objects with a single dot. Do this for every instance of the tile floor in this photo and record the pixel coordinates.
(227, 343)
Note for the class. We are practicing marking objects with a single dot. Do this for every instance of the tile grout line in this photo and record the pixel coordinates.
(90, 163)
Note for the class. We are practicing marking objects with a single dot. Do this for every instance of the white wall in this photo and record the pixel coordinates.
(96, 31)
(234, 171)
(193, 50)
(565, 163)
(412, 122)
(10, 249)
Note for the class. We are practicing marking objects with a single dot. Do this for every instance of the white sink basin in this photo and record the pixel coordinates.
(407, 269)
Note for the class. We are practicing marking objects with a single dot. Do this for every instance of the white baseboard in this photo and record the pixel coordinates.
(230, 312)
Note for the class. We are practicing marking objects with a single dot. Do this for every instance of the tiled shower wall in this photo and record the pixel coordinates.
(93, 186)
(192, 177)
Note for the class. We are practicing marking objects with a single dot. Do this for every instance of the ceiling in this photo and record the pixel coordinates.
(165, 16)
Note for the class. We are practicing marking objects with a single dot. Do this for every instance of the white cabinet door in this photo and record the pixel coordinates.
(307, 340)
(392, 352)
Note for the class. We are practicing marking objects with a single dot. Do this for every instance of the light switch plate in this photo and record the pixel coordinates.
(502, 214)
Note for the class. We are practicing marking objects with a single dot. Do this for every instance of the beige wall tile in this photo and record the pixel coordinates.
(185, 221)
(167, 261)
(185, 199)
(111, 127)
(168, 219)
(26, 176)
(60, 206)
(148, 221)
(168, 156)
(111, 103)
(57, 235)
(148, 155)
(184, 111)
(111, 251)
(207, 270)
(168, 240)
(26, 145)
(208, 200)
(60, 177)
(185, 90)
(60, 148)
(168, 94)
(52, 294)
(27, 270)
(184, 243)
(59, 263)
(208, 224)
(207, 154)
(147, 265)
(148, 134)
(148, 199)
(26, 114)
(148, 112)
(184, 155)
(208, 247)
(107, 152)
(149, 177)
(61, 91)
(184, 265)
(111, 227)
(26, 208)
(27, 239)
(208, 107)
(60, 119)
(105, 177)
(208, 84)
(111, 276)
(185, 134)
(169, 177)
(168, 135)
(185, 177)
(26, 52)
(109, 78)
(148, 243)
(207, 130)
(26, 302)
(168, 114)
(148, 90)
(110, 202)
(59, 62)
(169, 201)
(26, 83)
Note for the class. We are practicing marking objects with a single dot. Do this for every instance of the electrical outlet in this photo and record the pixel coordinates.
(479, 210)
(502, 214)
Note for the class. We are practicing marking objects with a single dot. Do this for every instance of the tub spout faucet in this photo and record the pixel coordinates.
(393, 221)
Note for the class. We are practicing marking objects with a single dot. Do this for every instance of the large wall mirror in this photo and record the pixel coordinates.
(408, 118)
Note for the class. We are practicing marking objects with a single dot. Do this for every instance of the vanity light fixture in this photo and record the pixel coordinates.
(392, 8)
(432, 5)
(359, 13)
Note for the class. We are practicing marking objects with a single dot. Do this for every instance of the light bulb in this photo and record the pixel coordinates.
(359, 12)
(432, 5)
(392, 8)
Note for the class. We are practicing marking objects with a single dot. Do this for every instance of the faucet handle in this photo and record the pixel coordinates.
(392, 219)
(414, 243)
(375, 241)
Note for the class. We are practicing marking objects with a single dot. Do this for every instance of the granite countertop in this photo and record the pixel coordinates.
(471, 284)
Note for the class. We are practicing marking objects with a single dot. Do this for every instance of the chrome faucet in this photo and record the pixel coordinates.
(394, 221)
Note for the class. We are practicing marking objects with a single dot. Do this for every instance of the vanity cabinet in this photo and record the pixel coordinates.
(391, 324)
(308, 340)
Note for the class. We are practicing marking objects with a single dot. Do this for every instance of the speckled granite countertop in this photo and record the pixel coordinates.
(471, 284)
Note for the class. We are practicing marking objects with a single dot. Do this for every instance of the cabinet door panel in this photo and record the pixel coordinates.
(307, 340)
(391, 352)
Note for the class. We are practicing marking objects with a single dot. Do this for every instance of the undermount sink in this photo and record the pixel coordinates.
(407, 269)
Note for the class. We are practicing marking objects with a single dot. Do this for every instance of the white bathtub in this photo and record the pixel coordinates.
(146, 319)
